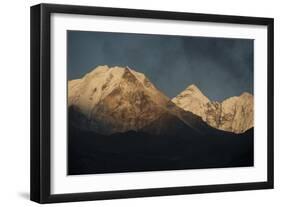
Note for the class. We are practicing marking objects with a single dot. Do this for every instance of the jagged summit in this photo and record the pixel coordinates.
(234, 114)
(192, 99)
(118, 99)
(115, 99)
(193, 91)
(192, 87)
(102, 70)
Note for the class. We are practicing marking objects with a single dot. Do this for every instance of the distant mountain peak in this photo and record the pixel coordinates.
(192, 95)
(192, 87)
(128, 75)
(246, 94)
(192, 99)
(97, 70)
(196, 92)
(118, 99)
(234, 114)
(115, 99)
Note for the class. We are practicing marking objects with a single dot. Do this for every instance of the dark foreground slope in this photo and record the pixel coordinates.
(90, 153)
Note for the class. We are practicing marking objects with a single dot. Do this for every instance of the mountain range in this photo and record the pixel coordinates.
(235, 114)
(118, 121)
(120, 99)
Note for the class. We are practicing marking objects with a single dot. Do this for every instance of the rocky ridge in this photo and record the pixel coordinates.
(119, 99)
(234, 114)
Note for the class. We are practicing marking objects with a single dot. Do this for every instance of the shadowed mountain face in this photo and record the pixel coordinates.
(118, 121)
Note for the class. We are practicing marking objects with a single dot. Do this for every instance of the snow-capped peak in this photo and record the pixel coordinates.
(117, 96)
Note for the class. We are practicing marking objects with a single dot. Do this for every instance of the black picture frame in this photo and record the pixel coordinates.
(41, 95)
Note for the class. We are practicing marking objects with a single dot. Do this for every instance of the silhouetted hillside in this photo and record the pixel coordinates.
(90, 153)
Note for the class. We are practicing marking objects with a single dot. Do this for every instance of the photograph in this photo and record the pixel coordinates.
(153, 102)
(131, 103)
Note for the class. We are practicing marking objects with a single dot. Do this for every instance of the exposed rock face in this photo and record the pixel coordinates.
(193, 100)
(234, 114)
(237, 113)
(115, 100)
(119, 99)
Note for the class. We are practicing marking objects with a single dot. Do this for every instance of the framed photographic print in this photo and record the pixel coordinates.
(132, 103)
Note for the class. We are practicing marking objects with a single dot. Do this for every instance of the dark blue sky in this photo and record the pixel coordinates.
(220, 67)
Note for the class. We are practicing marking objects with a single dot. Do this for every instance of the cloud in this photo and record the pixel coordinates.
(220, 67)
